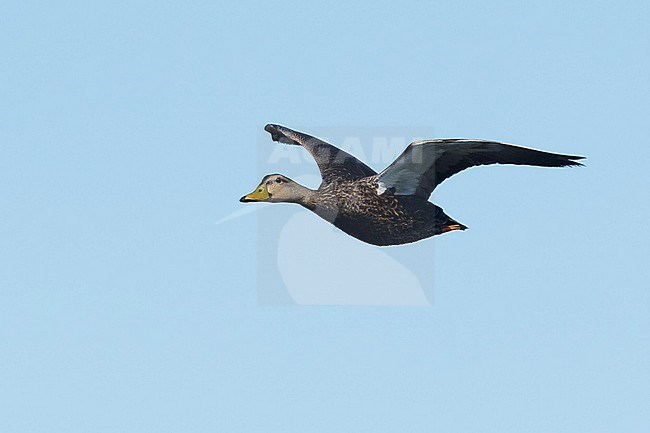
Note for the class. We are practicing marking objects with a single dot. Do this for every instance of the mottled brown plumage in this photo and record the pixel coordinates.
(355, 207)
(392, 207)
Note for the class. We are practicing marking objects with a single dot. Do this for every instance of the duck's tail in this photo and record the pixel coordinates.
(448, 224)
(451, 226)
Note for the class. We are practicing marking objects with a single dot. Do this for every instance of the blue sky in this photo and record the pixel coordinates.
(129, 128)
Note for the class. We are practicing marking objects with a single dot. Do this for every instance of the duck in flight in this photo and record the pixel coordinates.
(391, 207)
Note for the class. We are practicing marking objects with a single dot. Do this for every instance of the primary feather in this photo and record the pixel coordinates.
(426, 164)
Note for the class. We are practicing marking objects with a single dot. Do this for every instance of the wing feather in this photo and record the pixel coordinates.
(333, 162)
(426, 164)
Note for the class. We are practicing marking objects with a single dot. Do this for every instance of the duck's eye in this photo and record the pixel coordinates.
(278, 180)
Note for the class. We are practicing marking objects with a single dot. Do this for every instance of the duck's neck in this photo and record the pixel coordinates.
(322, 202)
(306, 198)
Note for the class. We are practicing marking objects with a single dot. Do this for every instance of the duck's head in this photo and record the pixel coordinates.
(276, 188)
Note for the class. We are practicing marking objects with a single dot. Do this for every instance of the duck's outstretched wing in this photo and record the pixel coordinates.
(425, 164)
(333, 162)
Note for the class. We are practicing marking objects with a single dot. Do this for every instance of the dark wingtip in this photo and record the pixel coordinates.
(273, 130)
(572, 161)
(279, 133)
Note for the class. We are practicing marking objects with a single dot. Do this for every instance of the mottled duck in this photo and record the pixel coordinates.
(391, 207)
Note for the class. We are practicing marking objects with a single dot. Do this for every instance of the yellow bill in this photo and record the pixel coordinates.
(260, 194)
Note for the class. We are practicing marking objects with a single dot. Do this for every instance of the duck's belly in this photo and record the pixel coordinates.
(390, 222)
